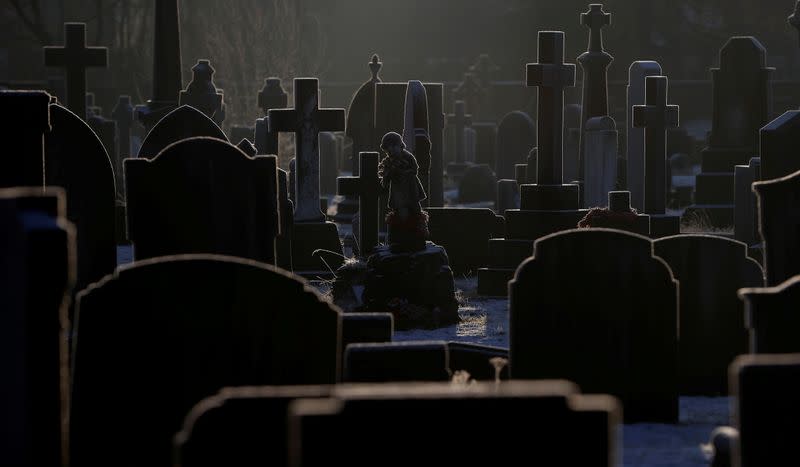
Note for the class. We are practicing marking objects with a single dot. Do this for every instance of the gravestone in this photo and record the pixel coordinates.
(415, 131)
(271, 96)
(710, 270)
(360, 125)
(203, 322)
(361, 423)
(75, 58)
(742, 92)
(516, 135)
(123, 116)
(460, 120)
(328, 169)
(635, 174)
(745, 227)
(167, 66)
(37, 272)
(311, 231)
(464, 233)
(182, 123)
(779, 224)
(572, 140)
(655, 116)
(75, 159)
(242, 426)
(485, 142)
(396, 362)
(772, 317)
(367, 187)
(777, 146)
(478, 184)
(600, 167)
(202, 93)
(203, 195)
(25, 118)
(618, 335)
(594, 65)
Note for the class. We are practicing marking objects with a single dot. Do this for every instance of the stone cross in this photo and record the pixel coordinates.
(306, 120)
(460, 119)
(637, 73)
(655, 117)
(367, 186)
(75, 58)
(123, 115)
(594, 63)
(794, 19)
(551, 75)
(202, 93)
(271, 96)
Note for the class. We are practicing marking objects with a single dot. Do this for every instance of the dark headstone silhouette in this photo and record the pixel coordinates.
(742, 104)
(765, 411)
(167, 66)
(361, 424)
(361, 116)
(203, 195)
(367, 188)
(416, 131)
(203, 322)
(656, 116)
(271, 96)
(619, 334)
(25, 118)
(182, 123)
(772, 317)
(779, 223)
(396, 362)
(464, 233)
(594, 64)
(516, 135)
(710, 270)
(37, 272)
(76, 160)
(778, 141)
(635, 138)
(202, 93)
(75, 58)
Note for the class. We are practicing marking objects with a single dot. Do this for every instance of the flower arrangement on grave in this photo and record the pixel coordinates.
(606, 218)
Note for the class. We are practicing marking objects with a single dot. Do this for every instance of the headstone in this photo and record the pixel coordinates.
(360, 125)
(243, 426)
(306, 120)
(464, 233)
(182, 123)
(25, 118)
(360, 424)
(328, 169)
(779, 224)
(485, 142)
(600, 167)
(594, 64)
(478, 184)
(203, 195)
(75, 58)
(710, 270)
(516, 135)
(203, 322)
(75, 159)
(745, 226)
(655, 116)
(202, 93)
(635, 176)
(742, 92)
(618, 335)
(771, 317)
(416, 131)
(123, 116)
(37, 272)
(396, 362)
(167, 66)
(368, 188)
(272, 96)
(572, 140)
(460, 120)
(778, 140)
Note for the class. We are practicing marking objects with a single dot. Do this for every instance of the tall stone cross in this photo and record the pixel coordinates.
(594, 63)
(551, 75)
(655, 117)
(460, 119)
(75, 58)
(306, 120)
(367, 186)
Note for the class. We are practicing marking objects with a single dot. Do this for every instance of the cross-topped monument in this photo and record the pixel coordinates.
(306, 120)
(367, 186)
(551, 75)
(75, 58)
(594, 63)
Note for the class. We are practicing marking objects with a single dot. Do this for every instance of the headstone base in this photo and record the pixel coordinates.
(416, 287)
(664, 225)
(316, 236)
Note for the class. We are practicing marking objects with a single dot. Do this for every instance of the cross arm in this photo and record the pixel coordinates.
(282, 120)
